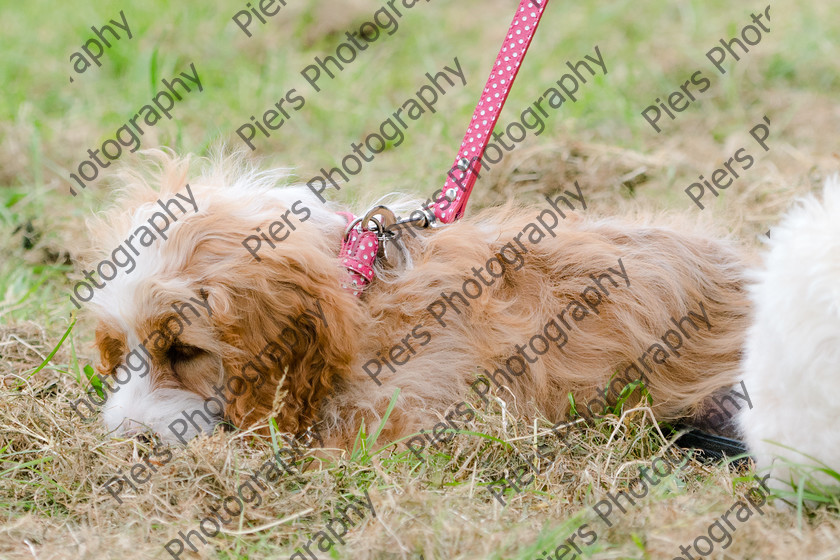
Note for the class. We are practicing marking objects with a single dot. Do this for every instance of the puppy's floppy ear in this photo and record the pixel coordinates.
(288, 316)
(111, 345)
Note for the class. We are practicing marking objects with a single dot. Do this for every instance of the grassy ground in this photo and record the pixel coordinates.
(53, 465)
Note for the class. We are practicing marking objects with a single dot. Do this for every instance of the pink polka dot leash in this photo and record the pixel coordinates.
(364, 237)
(452, 201)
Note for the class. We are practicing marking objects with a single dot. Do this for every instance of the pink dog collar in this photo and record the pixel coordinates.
(358, 251)
(360, 246)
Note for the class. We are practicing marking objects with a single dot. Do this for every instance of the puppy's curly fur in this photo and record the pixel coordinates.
(792, 348)
(670, 269)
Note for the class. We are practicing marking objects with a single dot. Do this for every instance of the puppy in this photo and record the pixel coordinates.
(792, 350)
(529, 303)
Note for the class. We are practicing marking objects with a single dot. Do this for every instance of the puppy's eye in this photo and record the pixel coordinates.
(179, 353)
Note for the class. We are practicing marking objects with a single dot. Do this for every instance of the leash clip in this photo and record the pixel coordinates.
(381, 227)
(380, 221)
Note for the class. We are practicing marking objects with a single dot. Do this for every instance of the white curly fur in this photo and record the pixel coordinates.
(792, 352)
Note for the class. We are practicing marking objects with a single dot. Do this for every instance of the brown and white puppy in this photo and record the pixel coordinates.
(541, 313)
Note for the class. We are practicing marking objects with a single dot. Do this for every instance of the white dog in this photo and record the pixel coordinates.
(792, 353)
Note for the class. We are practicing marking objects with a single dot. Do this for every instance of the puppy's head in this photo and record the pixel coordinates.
(204, 325)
